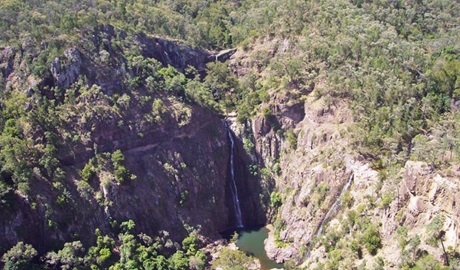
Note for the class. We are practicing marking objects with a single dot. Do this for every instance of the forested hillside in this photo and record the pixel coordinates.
(111, 114)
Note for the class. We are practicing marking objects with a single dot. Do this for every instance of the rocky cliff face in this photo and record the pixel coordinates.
(180, 181)
(178, 158)
(333, 198)
(321, 212)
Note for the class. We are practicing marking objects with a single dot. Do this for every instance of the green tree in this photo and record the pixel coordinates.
(371, 239)
(223, 85)
(232, 260)
(174, 81)
(179, 261)
(101, 254)
(190, 244)
(88, 171)
(69, 257)
(120, 171)
(20, 256)
(446, 73)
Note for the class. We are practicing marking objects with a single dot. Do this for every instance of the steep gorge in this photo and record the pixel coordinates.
(344, 116)
(179, 162)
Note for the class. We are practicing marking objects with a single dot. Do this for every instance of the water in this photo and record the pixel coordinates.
(252, 242)
(233, 189)
(335, 206)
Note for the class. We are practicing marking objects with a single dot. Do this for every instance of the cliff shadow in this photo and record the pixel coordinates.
(248, 189)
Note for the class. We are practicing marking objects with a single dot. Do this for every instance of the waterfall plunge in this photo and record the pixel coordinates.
(233, 188)
(335, 206)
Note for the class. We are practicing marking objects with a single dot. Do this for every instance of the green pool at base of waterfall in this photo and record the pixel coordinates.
(252, 242)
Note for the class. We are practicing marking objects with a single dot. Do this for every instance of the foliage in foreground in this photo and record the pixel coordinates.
(128, 251)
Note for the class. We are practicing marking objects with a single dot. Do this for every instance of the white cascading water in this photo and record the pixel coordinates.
(233, 189)
(335, 206)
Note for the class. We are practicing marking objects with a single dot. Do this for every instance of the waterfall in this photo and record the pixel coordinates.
(335, 206)
(233, 188)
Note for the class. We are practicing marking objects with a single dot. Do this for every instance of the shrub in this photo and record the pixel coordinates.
(402, 236)
(198, 261)
(118, 157)
(248, 146)
(432, 230)
(371, 239)
(85, 190)
(183, 197)
(352, 216)
(291, 137)
(275, 199)
(346, 199)
(120, 171)
(88, 171)
(386, 200)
